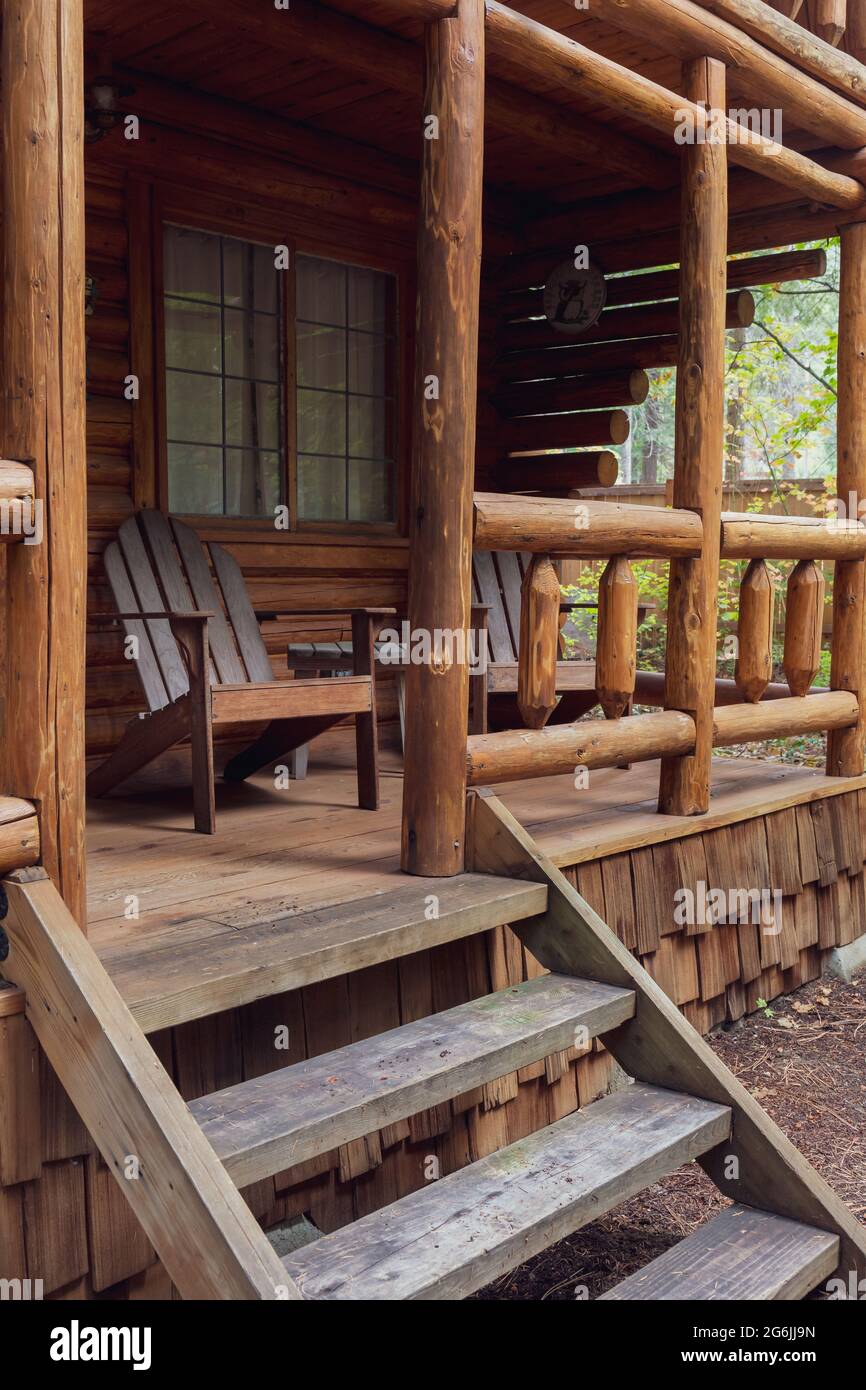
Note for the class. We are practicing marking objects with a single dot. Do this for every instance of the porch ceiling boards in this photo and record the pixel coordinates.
(189, 46)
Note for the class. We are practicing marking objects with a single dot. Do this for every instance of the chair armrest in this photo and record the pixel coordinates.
(167, 616)
(568, 603)
(266, 615)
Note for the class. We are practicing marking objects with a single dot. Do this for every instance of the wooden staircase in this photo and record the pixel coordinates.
(785, 1233)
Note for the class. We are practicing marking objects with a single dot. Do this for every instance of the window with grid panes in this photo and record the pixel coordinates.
(226, 407)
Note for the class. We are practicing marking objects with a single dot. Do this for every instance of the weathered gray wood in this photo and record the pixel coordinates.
(273, 1122)
(457, 1234)
(204, 1233)
(740, 1254)
(241, 615)
(126, 600)
(659, 1046)
(170, 983)
(228, 664)
(150, 600)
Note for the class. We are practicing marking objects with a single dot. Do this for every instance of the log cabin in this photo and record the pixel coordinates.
(293, 273)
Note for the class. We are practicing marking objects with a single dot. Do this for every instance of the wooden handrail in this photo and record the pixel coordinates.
(588, 529)
(749, 537)
(598, 743)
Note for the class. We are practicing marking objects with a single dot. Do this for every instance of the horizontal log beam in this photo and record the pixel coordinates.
(552, 57)
(552, 473)
(749, 537)
(19, 834)
(807, 714)
(590, 743)
(653, 285)
(602, 391)
(778, 32)
(583, 430)
(691, 30)
(638, 321)
(597, 743)
(629, 353)
(593, 530)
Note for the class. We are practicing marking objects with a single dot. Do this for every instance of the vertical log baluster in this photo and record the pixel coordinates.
(540, 596)
(616, 649)
(846, 747)
(754, 665)
(804, 616)
(690, 666)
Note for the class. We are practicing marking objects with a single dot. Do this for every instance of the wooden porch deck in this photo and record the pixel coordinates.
(281, 852)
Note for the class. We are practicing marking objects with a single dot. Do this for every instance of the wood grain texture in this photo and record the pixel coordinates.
(443, 448)
(166, 983)
(741, 1254)
(294, 1114)
(690, 661)
(538, 651)
(203, 1232)
(459, 1233)
(846, 750)
(804, 622)
(754, 665)
(659, 1047)
(585, 528)
(43, 422)
(616, 649)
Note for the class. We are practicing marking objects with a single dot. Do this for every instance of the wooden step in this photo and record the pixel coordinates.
(170, 981)
(740, 1254)
(456, 1235)
(262, 1126)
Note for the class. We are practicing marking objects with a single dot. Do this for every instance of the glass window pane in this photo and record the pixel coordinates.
(370, 491)
(192, 336)
(321, 423)
(249, 276)
(368, 428)
(321, 357)
(322, 488)
(368, 364)
(368, 299)
(194, 408)
(252, 414)
(195, 480)
(252, 482)
(191, 263)
(320, 290)
(251, 344)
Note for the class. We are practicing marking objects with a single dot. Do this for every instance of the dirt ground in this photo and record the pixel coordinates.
(805, 1061)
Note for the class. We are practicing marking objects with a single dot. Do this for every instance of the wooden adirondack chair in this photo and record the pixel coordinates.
(496, 581)
(202, 662)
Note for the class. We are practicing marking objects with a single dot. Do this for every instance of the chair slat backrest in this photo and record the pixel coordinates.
(510, 578)
(241, 616)
(487, 590)
(158, 564)
(150, 600)
(229, 667)
(126, 600)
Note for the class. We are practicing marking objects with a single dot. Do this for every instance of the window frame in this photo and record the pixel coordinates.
(267, 230)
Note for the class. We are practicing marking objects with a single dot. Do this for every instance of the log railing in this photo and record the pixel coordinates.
(749, 708)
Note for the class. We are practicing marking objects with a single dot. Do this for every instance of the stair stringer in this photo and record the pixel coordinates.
(200, 1226)
(658, 1045)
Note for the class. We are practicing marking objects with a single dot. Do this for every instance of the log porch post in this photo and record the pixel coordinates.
(690, 667)
(845, 747)
(42, 372)
(443, 453)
